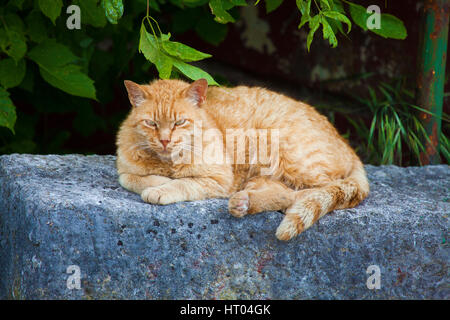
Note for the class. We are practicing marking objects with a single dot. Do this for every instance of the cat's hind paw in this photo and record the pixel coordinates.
(238, 204)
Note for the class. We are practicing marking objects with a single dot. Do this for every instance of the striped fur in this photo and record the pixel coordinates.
(312, 172)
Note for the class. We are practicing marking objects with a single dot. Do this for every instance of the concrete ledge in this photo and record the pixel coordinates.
(57, 211)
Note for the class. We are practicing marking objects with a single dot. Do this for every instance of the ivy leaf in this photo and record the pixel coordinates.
(391, 27)
(7, 110)
(271, 5)
(11, 74)
(338, 16)
(314, 24)
(219, 9)
(56, 67)
(51, 8)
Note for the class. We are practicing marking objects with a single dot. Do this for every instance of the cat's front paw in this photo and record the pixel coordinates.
(238, 204)
(156, 195)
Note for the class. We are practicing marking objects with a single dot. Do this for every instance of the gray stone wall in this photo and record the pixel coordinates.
(57, 211)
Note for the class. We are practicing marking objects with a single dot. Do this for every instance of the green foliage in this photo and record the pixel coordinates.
(329, 13)
(390, 26)
(56, 65)
(395, 129)
(75, 71)
(11, 73)
(271, 5)
(113, 10)
(166, 54)
(7, 110)
(51, 8)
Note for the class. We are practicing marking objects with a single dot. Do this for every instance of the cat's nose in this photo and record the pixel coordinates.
(165, 143)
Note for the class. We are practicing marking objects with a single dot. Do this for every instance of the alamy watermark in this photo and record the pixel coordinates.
(74, 20)
(374, 280)
(74, 280)
(240, 146)
(374, 21)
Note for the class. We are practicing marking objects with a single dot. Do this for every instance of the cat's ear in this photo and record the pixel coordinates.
(136, 93)
(197, 91)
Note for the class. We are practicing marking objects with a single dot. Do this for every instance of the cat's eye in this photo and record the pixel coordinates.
(150, 123)
(180, 122)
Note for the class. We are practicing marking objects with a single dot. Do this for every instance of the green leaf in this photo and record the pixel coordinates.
(211, 31)
(305, 18)
(151, 48)
(314, 24)
(70, 79)
(36, 26)
(7, 110)
(113, 10)
(55, 65)
(240, 3)
(338, 16)
(325, 4)
(154, 48)
(193, 73)
(28, 81)
(13, 44)
(328, 32)
(14, 22)
(51, 8)
(219, 9)
(154, 5)
(271, 5)
(304, 6)
(183, 52)
(391, 27)
(11, 74)
(52, 53)
(92, 13)
(17, 3)
(359, 15)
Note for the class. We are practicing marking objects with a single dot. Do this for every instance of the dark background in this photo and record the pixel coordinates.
(260, 49)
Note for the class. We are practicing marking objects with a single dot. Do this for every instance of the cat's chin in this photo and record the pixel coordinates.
(165, 155)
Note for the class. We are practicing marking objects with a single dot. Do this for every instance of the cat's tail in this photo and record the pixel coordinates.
(312, 204)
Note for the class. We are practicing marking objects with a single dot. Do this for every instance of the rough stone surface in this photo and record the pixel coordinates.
(57, 211)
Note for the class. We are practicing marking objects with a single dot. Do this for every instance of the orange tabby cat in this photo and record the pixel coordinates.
(309, 170)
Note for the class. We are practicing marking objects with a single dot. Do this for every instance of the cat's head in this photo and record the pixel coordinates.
(164, 113)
